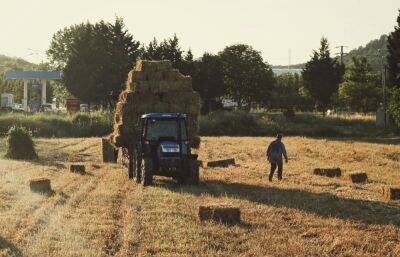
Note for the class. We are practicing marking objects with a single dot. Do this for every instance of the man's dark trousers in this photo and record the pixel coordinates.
(278, 164)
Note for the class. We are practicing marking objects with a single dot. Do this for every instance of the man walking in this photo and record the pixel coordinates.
(274, 153)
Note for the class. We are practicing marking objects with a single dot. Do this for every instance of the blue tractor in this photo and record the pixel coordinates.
(163, 150)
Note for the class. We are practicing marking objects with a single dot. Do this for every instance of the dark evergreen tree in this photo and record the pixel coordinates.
(322, 76)
(393, 59)
(187, 67)
(361, 90)
(168, 49)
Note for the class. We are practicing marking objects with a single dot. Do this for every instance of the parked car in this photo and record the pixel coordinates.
(46, 108)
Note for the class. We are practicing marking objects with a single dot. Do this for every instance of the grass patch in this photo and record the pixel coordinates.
(59, 125)
(303, 124)
(214, 124)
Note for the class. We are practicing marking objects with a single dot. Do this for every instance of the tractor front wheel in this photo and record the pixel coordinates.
(147, 172)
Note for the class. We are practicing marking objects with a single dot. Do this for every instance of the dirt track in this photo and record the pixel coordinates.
(104, 214)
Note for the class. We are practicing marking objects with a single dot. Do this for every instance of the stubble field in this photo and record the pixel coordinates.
(103, 213)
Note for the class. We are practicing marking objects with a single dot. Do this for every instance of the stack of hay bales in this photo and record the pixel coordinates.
(154, 86)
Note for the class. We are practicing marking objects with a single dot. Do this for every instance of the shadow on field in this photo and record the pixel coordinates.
(8, 248)
(321, 204)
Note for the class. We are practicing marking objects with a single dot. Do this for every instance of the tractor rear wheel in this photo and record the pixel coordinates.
(147, 172)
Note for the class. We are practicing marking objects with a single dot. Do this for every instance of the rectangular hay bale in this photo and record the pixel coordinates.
(219, 213)
(358, 177)
(109, 152)
(328, 172)
(391, 193)
(221, 163)
(40, 185)
(77, 168)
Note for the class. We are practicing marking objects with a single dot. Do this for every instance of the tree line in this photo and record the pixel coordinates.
(95, 59)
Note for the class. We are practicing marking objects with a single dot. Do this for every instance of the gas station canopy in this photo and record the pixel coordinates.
(33, 75)
(40, 76)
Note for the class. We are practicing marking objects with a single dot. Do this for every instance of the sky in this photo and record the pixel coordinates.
(276, 28)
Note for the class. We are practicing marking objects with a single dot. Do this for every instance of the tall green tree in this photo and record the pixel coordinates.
(208, 80)
(322, 76)
(361, 90)
(393, 58)
(249, 80)
(94, 58)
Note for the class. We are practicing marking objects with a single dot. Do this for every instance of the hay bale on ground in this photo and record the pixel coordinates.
(391, 193)
(219, 213)
(331, 172)
(221, 163)
(77, 168)
(109, 152)
(358, 177)
(40, 185)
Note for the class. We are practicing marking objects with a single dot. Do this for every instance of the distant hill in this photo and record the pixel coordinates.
(12, 63)
(294, 66)
(372, 50)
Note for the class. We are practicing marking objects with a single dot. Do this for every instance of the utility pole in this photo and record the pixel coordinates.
(384, 89)
(290, 59)
(342, 53)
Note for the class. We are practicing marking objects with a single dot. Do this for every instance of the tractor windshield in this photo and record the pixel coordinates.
(164, 129)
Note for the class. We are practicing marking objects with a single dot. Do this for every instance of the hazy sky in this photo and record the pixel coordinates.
(271, 26)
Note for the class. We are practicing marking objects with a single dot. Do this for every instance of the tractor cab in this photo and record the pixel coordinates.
(164, 136)
(164, 149)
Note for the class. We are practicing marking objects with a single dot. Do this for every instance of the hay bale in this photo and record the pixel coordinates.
(391, 193)
(219, 213)
(19, 144)
(109, 152)
(221, 163)
(40, 185)
(330, 172)
(77, 168)
(154, 87)
(358, 177)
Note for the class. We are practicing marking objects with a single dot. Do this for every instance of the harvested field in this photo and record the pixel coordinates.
(105, 214)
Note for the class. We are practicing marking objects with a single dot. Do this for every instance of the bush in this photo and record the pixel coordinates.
(93, 124)
(19, 144)
(394, 105)
(229, 123)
